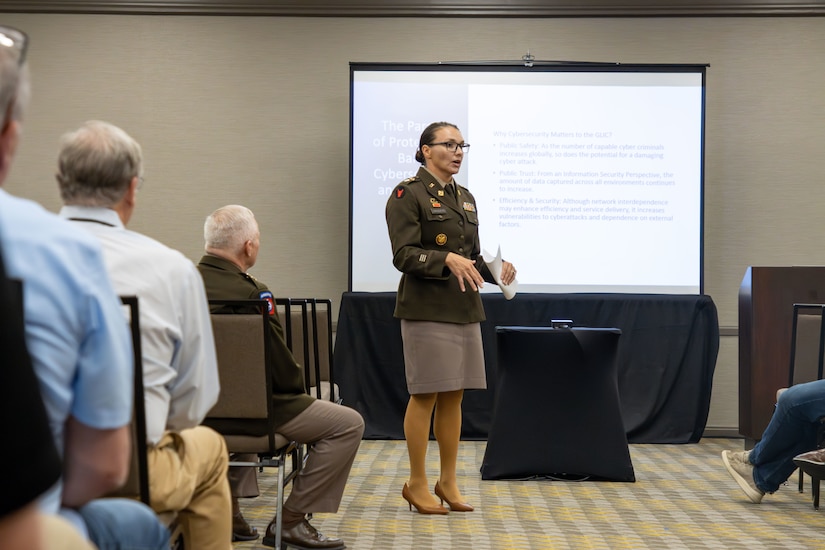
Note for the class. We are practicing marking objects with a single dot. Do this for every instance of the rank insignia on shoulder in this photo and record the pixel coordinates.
(410, 179)
(267, 295)
(469, 207)
(399, 192)
(441, 239)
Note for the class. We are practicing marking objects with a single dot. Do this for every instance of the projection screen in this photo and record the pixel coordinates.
(589, 177)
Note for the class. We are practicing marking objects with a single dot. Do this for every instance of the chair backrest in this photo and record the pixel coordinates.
(807, 343)
(244, 407)
(137, 484)
(294, 316)
(244, 412)
(308, 333)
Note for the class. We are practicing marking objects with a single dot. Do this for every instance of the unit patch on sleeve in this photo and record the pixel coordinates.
(267, 295)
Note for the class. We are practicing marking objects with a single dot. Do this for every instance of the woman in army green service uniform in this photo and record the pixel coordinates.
(433, 227)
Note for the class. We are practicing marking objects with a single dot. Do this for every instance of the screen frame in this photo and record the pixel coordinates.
(528, 65)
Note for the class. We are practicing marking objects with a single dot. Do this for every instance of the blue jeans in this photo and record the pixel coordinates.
(123, 524)
(791, 431)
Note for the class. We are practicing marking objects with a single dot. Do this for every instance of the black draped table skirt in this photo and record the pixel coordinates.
(557, 413)
(665, 358)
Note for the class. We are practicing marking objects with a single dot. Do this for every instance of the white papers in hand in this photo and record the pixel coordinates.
(494, 265)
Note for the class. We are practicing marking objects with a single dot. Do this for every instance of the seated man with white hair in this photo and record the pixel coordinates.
(333, 431)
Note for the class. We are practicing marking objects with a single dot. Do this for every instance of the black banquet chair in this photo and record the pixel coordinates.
(244, 411)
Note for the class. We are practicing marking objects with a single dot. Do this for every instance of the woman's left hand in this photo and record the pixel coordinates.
(508, 272)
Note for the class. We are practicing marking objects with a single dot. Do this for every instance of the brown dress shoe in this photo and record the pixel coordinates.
(241, 530)
(302, 536)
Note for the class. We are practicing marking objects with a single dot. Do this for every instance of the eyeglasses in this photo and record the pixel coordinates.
(452, 146)
(16, 41)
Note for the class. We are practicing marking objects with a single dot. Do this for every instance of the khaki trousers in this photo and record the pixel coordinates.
(59, 534)
(334, 434)
(187, 475)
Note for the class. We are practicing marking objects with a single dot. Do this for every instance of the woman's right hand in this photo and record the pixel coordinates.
(464, 270)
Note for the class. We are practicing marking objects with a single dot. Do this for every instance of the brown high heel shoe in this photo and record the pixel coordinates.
(439, 510)
(454, 506)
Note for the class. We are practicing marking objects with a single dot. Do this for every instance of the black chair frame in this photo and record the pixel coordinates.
(820, 434)
(309, 316)
(797, 309)
(139, 401)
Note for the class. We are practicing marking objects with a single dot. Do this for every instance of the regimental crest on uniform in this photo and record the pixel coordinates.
(441, 239)
(422, 258)
(267, 295)
(440, 192)
(435, 202)
(469, 207)
(399, 192)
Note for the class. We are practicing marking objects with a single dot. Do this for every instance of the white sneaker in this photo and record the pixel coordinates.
(741, 470)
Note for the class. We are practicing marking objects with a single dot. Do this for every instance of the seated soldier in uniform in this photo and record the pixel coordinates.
(333, 431)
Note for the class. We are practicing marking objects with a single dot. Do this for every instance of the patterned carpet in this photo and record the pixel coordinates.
(683, 498)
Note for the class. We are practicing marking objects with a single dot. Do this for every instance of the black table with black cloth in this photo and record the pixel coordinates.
(557, 413)
(665, 360)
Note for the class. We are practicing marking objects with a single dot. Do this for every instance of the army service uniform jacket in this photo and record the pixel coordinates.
(225, 281)
(425, 224)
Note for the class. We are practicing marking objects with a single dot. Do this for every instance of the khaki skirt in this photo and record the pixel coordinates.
(440, 357)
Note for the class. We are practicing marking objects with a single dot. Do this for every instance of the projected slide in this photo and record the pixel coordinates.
(589, 181)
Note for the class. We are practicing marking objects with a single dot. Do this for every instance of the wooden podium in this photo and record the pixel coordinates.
(766, 299)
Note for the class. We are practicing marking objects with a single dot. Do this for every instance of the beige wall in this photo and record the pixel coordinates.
(254, 110)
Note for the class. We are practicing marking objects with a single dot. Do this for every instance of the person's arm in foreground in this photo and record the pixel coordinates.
(96, 462)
